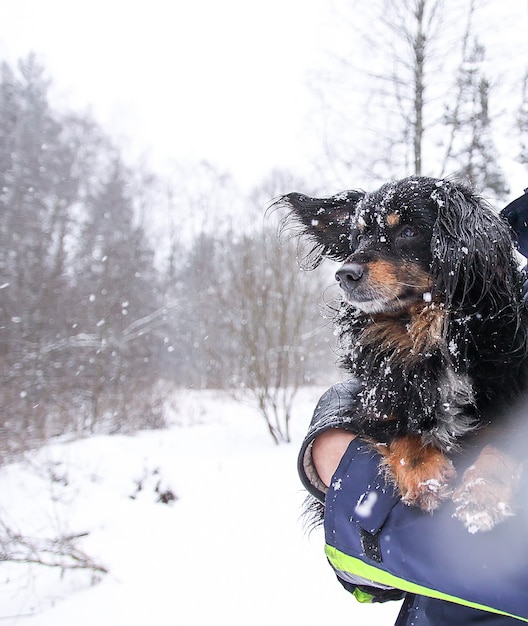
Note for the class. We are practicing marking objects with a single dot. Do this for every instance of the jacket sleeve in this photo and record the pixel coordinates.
(334, 410)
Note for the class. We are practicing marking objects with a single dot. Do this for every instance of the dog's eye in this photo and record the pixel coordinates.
(407, 231)
(356, 237)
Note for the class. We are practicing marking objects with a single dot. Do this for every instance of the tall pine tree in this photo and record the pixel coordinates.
(471, 152)
(118, 289)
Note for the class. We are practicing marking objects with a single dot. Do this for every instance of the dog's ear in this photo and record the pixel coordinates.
(472, 249)
(322, 222)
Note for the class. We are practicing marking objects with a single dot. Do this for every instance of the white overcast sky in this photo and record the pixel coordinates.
(225, 81)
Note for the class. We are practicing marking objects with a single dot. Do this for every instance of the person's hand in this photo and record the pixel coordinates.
(327, 450)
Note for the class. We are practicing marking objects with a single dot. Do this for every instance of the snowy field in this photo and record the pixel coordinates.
(230, 550)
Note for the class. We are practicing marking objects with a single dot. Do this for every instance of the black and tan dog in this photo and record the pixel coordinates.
(434, 325)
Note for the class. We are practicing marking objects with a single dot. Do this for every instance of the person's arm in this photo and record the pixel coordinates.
(327, 451)
(336, 409)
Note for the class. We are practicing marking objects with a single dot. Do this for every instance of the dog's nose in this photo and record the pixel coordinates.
(349, 275)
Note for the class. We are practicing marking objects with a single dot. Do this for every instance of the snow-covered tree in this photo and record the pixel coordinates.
(471, 150)
(38, 189)
(65, 206)
(121, 308)
(522, 121)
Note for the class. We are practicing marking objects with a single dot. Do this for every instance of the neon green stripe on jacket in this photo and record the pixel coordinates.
(342, 562)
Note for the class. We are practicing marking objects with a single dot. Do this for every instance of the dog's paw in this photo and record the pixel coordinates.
(485, 495)
(430, 485)
(421, 473)
(479, 507)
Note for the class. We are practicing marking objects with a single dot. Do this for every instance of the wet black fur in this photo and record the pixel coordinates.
(479, 370)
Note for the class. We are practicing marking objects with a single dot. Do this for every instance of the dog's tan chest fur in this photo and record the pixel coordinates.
(407, 338)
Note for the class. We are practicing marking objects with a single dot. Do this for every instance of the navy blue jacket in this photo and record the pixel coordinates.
(381, 549)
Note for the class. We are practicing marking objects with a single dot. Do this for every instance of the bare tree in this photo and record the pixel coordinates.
(387, 94)
(378, 103)
(61, 552)
(414, 26)
(270, 313)
(249, 320)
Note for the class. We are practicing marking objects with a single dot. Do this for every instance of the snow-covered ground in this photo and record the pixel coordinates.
(231, 549)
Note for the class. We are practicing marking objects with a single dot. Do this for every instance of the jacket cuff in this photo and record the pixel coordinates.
(335, 409)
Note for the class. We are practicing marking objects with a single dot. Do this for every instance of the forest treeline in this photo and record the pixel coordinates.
(101, 315)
